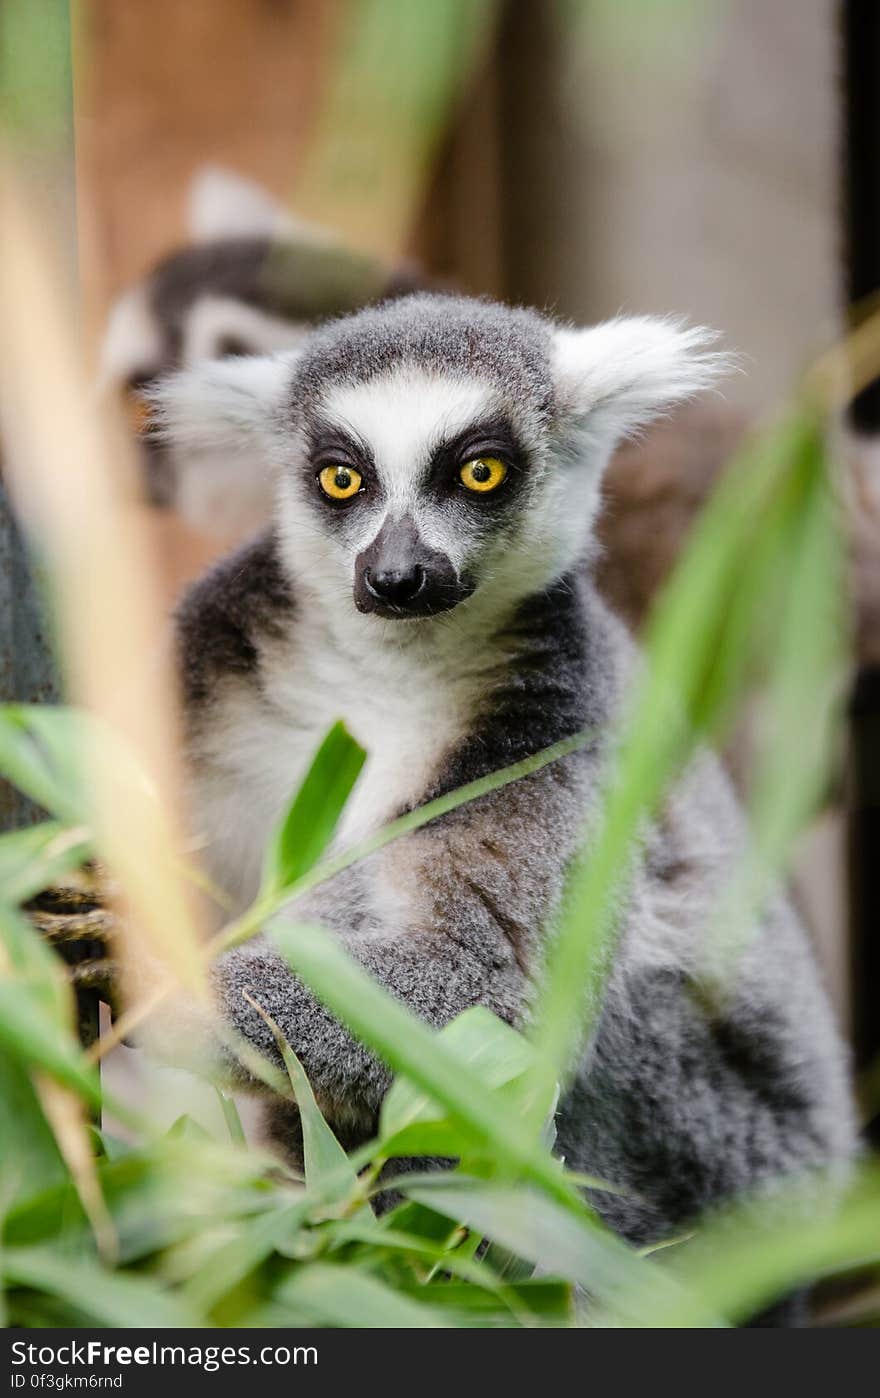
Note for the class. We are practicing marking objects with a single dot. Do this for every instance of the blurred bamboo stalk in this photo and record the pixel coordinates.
(42, 117)
(77, 499)
(72, 484)
(396, 80)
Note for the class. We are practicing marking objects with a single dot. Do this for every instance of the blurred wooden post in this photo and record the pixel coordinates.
(37, 114)
(861, 214)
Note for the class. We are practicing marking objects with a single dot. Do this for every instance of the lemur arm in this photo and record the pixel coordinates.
(435, 975)
(449, 920)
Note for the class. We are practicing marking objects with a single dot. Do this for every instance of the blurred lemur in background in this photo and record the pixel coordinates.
(437, 464)
(253, 280)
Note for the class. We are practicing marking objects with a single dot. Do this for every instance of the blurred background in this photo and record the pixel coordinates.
(583, 156)
(587, 155)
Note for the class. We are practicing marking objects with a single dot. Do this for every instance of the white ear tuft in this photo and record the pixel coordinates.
(223, 204)
(613, 378)
(224, 405)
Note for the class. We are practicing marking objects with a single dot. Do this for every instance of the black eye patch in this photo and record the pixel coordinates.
(232, 347)
(493, 437)
(329, 445)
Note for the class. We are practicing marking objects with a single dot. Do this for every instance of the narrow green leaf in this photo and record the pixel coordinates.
(175, 1188)
(227, 1265)
(347, 1298)
(328, 1170)
(35, 967)
(754, 1254)
(701, 648)
(231, 1117)
(412, 1247)
(412, 1123)
(267, 904)
(185, 1127)
(34, 1038)
(25, 763)
(30, 1159)
(419, 1222)
(493, 1051)
(33, 859)
(111, 1298)
(308, 825)
(534, 1227)
(542, 1301)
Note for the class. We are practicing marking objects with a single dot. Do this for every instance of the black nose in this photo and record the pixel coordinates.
(396, 586)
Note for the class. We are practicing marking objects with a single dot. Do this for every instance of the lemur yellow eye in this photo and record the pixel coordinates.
(483, 474)
(340, 482)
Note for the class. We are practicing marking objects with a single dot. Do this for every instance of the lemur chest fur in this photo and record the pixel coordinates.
(406, 708)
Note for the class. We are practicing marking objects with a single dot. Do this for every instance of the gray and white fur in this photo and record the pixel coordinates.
(456, 632)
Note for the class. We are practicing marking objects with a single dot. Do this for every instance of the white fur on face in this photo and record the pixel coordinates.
(403, 418)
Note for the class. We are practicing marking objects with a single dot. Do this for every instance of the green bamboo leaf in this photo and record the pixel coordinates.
(538, 1300)
(30, 1158)
(493, 1051)
(34, 858)
(448, 1260)
(345, 1297)
(46, 750)
(413, 1123)
(754, 1254)
(110, 1298)
(231, 1117)
(37, 1040)
(158, 1196)
(799, 712)
(428, 1225)
(26, 763)
(35, 967)
(534, 1227)
(328, 1170)
(268, 904)
(311, 819)
(734, 592)
(186, 1128)
(226, 1266)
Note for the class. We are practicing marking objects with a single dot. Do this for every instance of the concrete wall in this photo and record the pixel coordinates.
(689, 166)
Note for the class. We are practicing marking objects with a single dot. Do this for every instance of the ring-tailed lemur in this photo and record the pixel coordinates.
(438, 464)
(253, 281)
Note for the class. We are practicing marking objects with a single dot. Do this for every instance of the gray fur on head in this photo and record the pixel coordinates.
(679, 1108)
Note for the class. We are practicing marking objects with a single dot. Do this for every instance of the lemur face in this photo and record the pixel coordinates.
(438, 452)
(414, 484)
